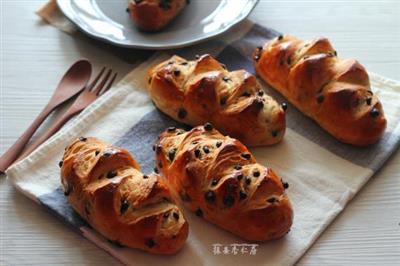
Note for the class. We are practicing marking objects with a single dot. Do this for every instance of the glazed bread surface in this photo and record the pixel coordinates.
(154, 15)
(104, 185)
(203, 90)
(335, 92)
(220, 180)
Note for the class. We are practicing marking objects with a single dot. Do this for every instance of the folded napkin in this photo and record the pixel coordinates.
(52, 15)
(323, 173)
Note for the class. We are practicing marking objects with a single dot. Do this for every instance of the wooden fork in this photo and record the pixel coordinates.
(85, 98)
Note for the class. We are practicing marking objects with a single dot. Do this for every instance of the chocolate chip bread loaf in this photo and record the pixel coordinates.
(104, 185)
(154, 15)
(203, 90)
(220, 180)
(335, 92)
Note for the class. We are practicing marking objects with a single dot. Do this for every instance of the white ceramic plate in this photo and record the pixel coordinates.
(202, 19)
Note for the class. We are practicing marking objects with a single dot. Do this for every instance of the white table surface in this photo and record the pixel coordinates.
(35, 55)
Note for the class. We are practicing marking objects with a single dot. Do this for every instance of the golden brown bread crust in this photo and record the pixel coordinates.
(218, 178)
(154, 15)
(105, 186)
(200, 91)
(335, 92)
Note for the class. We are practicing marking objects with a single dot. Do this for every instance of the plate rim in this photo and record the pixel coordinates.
(157, 47)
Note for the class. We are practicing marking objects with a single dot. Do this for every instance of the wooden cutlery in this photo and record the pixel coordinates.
(73, 81)
(85, 98)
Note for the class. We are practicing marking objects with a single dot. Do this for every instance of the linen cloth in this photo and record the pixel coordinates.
(323, 173)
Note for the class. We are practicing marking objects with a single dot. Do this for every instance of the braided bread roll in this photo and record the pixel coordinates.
(335, 92)
(195, 92)
(154, 15)
(105, 186)
(218, 178)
